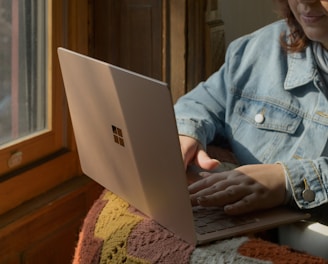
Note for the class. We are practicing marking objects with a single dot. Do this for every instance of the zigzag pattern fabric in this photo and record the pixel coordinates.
(115, 232)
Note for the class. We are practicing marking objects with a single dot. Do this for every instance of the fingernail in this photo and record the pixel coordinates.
(228, 208)
(204, 174)
(201, 199)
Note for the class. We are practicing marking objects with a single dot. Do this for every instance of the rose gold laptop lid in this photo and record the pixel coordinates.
(127, 139)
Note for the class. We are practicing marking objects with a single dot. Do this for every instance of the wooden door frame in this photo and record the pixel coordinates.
(195, 46)
(175, 46)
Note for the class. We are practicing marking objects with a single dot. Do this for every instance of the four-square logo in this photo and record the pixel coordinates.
(118, 135)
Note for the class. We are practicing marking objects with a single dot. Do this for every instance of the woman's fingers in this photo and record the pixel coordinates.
(204, 161)
(248, 204)
(241, 190)
(223, 197)
(193, 152)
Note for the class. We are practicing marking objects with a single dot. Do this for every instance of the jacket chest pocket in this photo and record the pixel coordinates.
(264, 129)
(263, 115)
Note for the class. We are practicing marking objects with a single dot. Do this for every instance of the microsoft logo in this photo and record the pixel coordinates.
(118, 135)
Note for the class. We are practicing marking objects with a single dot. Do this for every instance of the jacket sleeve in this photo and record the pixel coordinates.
(201, 113)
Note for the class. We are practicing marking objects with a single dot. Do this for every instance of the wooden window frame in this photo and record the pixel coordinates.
(69, 27)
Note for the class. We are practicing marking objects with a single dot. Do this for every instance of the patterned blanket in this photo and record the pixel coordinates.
(115, 232)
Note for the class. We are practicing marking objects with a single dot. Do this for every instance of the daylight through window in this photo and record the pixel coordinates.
(23, 81)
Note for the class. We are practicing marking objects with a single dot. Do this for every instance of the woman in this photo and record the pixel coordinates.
(269, 101)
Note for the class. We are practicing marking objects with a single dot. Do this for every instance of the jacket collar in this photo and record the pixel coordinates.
(301, 69)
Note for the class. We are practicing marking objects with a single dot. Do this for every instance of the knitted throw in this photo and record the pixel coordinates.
(114, 232)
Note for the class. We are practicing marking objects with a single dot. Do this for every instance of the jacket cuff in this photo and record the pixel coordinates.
(191, 128)
(304, 182)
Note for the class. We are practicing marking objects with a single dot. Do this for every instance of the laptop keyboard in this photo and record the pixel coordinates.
(211, 219)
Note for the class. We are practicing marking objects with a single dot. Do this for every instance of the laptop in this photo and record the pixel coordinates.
(127, 141)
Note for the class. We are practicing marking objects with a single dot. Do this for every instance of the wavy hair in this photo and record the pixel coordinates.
(296, 40)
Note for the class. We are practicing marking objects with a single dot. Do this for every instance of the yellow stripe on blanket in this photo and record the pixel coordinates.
(114, 225)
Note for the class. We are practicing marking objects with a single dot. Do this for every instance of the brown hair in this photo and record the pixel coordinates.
(296, 41)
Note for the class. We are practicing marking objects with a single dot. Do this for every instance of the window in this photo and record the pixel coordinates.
(37, 150)
(23, 77)
(27, 131)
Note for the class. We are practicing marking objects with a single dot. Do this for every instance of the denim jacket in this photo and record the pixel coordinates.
(270, 107)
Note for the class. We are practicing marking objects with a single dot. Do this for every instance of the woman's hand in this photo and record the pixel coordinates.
(194, 153)
(242, 190)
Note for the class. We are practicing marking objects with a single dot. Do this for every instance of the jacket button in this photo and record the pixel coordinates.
(259, 118)
(308, 195)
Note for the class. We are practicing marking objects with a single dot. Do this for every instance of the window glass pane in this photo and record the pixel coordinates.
(23, 60)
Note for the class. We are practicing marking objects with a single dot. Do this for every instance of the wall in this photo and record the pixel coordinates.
(244, 16)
